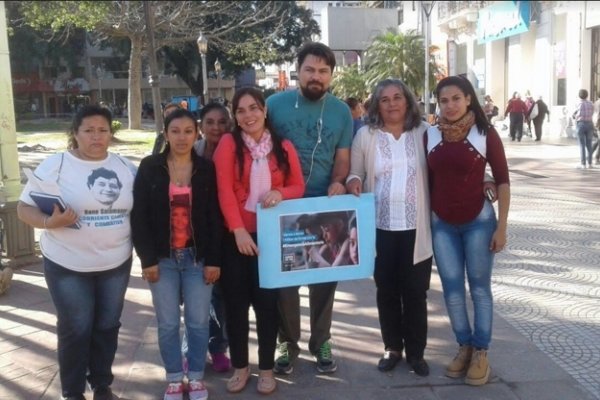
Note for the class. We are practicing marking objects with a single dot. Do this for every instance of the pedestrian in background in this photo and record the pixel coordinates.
(320, 127)
(491, 110)
(388, 159)
(357, 111)
(255, 168)
(529, 104)
(516, 108)
(536, 113)
(177, 233)
(466, 233)
(583, 116)
(597, 131)
(87, 261)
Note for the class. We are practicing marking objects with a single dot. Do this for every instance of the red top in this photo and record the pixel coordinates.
(516, 105)
(456, 172)
(234, 192)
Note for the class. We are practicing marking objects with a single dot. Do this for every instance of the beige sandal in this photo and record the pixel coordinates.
(238, 381)
(266, 384)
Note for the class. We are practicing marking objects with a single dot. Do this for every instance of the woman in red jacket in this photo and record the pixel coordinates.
(254, 167)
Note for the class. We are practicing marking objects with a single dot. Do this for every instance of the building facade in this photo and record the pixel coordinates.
(544, 48)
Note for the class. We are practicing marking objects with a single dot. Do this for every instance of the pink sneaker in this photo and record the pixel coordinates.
(174, 391)
(220, 362)
(197, 390)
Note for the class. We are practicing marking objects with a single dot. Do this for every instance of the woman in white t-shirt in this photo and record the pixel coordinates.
(86, 248)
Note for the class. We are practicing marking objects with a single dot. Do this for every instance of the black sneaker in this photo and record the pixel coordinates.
(419, 366)
(325, 362)
(283, 363)
(388, 361)
(76, 397)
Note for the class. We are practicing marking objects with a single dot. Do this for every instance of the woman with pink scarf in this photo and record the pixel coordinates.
(254, 167)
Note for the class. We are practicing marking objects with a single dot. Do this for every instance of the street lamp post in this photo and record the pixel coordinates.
(218, 71)
(426, 7)
(100, 75)
(202, 43)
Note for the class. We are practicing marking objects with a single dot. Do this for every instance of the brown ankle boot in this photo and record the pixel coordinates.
(479, 370)
(459, 365)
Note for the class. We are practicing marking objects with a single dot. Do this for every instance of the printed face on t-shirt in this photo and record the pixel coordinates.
(106, 191)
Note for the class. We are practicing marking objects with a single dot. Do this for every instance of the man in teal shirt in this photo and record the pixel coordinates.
(320, 127)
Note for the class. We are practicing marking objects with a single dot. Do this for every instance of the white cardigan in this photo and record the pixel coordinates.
(362, 166)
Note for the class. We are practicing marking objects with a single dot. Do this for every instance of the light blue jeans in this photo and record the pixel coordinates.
(585, 132)
(182, 278)
(465, 248)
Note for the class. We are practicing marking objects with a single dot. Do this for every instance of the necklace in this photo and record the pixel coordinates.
(180, 175)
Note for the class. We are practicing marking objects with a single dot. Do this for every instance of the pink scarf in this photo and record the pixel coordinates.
(260, 174)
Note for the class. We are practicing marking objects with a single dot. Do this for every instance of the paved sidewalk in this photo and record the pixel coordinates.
(546, 330)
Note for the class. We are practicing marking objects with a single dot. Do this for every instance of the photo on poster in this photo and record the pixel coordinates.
(319, 240)
(316, 240)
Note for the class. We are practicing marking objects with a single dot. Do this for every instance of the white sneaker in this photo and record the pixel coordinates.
(590, 166)
(580, 166)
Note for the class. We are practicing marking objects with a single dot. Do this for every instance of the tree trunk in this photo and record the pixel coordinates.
(134, 98)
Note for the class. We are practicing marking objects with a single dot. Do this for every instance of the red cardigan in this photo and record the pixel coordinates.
(234, 192)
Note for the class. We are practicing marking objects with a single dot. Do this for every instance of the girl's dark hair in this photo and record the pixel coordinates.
(280, 154)
(85, 112)
(413, 114)
(483, 124)
(179, 113)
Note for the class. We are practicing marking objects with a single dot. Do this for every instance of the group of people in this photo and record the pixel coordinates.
(190, 214)
(520, 112)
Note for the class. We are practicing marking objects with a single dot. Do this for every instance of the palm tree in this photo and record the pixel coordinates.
(350, 82)
(399, 56)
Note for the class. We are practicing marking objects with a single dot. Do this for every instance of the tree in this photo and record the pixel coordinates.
(250, 45)
(399, 56)
(350, 81)
(175, 22)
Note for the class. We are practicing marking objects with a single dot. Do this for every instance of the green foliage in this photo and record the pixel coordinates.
(59, 14)
(350, 82)
(116, 125)
(399, 56)
(29, 49)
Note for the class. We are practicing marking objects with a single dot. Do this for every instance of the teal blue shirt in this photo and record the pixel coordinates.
(301, 126)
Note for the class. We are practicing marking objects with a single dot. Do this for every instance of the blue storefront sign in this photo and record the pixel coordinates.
(502, 19)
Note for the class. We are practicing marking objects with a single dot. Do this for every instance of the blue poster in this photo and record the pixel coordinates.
(316, 240)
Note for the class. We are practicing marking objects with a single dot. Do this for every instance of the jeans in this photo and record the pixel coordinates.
(465, 248)
(585, 131)
(88, 310)
(180, 276)
(217, 342)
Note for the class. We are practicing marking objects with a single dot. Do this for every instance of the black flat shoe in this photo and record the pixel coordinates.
(388, 361)
(419, 366)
